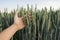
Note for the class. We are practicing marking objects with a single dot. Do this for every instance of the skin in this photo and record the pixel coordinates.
(9, 32)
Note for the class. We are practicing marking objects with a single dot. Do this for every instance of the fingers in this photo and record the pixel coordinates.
(23, 17)
(26, 16)
(16, 13)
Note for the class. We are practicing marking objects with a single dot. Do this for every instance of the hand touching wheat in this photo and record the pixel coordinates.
(11, 30)
(18, 21)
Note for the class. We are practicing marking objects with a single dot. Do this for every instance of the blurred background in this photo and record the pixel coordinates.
(12, 4)
(45, 21)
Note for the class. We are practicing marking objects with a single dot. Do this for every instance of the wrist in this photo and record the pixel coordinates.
(15, 26)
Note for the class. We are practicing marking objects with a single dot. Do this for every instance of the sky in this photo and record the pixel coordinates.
(11, 4)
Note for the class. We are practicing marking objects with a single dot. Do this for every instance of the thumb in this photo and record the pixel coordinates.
(16, 13)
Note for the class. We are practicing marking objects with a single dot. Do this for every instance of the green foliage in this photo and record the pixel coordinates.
(44, 25)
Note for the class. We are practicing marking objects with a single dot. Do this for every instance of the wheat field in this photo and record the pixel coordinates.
(44, 24)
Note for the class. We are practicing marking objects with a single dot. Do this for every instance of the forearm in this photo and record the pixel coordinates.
(8, 33)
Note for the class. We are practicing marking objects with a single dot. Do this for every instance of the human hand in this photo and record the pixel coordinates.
(18, 22)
